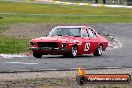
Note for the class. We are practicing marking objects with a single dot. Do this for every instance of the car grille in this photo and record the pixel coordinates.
(48, 44)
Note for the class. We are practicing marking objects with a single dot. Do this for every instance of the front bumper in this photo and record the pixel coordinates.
(48, 50)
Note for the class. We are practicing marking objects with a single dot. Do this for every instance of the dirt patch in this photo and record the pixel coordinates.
(33, 30)
(28, 31)
(56, 83)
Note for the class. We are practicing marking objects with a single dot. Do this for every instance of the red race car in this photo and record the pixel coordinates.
(69, 41)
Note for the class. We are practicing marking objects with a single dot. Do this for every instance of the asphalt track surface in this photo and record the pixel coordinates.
(116, 58)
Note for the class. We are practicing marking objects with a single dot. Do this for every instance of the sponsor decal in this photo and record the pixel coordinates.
(83, 78)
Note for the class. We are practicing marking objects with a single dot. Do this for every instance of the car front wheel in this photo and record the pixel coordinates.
(98, 51)
(73, 52)
(37, 55)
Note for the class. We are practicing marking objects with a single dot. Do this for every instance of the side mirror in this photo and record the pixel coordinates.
(98, 33)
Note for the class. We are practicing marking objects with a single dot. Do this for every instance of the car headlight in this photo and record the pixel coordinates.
(64, 45)
(32, 44)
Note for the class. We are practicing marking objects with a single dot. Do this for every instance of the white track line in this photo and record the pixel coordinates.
(21, 63)
(11, 55)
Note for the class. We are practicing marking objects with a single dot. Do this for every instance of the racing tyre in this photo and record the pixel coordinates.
(37, 55)
(73, 52)
(81, 80)
(98, 51)
(65, 55)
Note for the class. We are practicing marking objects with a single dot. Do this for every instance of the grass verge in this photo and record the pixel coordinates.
(14, 12)
(9, 19)
(21, 7)
(13, 45)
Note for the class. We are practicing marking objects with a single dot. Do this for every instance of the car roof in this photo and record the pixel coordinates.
(71, 27)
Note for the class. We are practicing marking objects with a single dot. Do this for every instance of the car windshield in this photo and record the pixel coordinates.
(65, 32)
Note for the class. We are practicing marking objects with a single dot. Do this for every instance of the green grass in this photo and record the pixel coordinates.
(63, 19)
(16, 7)
(26, 12)
(16, 12)
(13, 45)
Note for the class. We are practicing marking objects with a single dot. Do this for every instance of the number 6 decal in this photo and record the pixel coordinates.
(87, 45)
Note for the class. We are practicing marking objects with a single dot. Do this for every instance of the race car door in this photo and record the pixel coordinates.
(94, 41)
(86, 42)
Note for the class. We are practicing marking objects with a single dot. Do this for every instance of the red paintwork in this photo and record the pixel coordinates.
(71, 40)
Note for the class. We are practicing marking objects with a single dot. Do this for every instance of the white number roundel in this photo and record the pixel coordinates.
(87, 45)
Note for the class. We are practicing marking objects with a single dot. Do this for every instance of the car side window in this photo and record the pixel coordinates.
(91, 33)
(84, 33)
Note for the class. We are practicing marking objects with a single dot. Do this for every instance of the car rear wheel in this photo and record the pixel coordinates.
(37, 55)
(98, 51)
